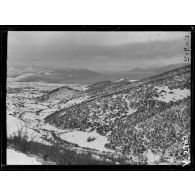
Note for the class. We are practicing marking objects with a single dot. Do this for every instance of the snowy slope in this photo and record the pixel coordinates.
(14, 125)
(18, 158)
(142, 120)
(91, 140)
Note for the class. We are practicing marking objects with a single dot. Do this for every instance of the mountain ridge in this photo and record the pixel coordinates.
(64, 75)
(123, 115)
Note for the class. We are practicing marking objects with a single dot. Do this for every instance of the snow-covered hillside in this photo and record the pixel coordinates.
(59, 94)
(157, 104)
(140, 122)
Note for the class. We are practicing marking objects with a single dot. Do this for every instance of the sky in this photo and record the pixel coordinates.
(98, 51)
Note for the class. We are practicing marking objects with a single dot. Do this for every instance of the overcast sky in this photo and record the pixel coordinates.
(100, 51)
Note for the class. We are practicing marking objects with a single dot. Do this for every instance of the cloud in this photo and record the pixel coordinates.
(94, 50)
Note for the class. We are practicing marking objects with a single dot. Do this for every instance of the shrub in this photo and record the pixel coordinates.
(57, 154)
(90, 139)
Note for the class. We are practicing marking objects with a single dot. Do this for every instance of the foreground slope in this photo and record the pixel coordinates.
(145, 122)
(18, 158)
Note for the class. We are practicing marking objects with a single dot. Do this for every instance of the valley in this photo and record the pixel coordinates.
(134, 122)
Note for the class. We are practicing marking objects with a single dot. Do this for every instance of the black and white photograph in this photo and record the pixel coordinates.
(98, 98)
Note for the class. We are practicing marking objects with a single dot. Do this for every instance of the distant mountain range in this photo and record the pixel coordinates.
(65, 75)
(158, 69)
(50, 75)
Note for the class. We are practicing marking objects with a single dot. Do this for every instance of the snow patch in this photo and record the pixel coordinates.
(75, 101)
(130, 110)
(23, 76)
(49, 127)
(118, 80)
(152, 157)
(18, 158)
(167, 95)
(80, 138)
(114, 96)
(132, 80)
(14, 125)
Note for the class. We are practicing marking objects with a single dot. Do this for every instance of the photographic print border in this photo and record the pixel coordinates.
(4, 35)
